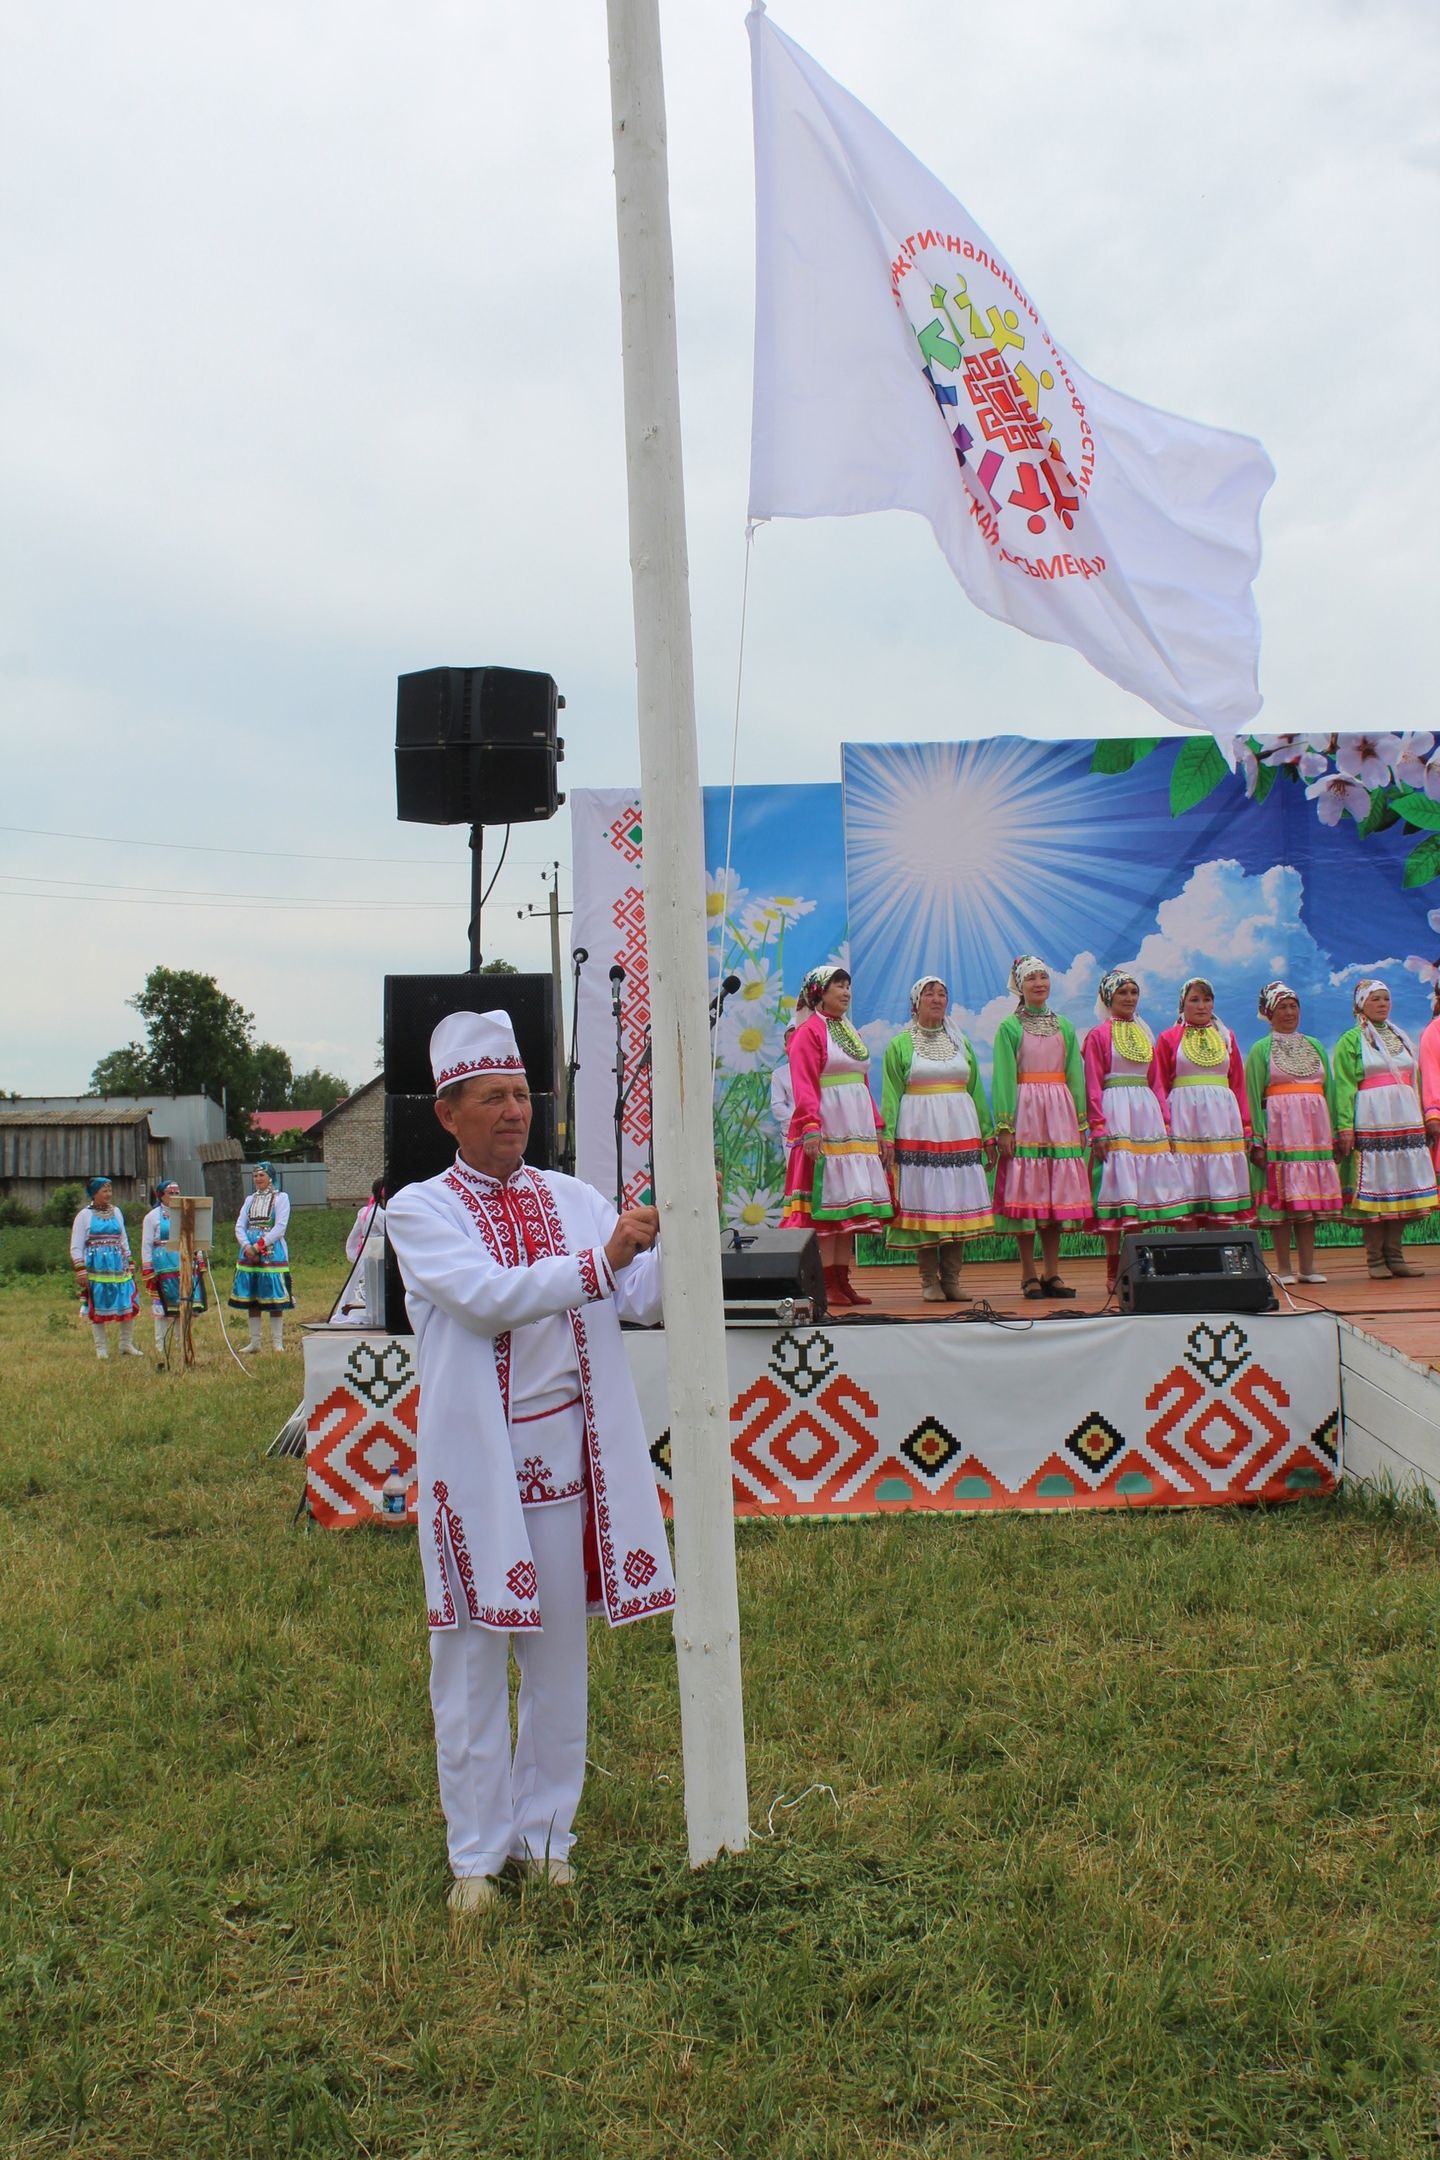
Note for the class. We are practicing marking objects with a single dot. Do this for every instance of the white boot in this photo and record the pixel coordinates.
(99, 1333)
(127, 1340)
(252, 1348)
(277, 1331)
(161, 1324)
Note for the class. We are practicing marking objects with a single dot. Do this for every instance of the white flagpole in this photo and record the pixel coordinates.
(707, 1627)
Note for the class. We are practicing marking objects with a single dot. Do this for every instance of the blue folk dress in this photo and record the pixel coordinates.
(263, 1284)
(98, 1242)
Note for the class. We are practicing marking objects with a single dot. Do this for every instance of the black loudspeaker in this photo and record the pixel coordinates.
(771, 1265)
(416, 1004)
(417, 1146)
(1181, 1271)
(476, 746)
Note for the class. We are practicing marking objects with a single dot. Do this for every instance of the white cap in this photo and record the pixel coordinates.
(466, 1043)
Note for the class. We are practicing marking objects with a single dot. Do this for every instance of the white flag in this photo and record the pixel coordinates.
(901, 364)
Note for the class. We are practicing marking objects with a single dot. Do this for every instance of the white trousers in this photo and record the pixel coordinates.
(501, 1806)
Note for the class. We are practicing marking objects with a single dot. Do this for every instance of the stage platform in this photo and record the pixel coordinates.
(1002, 1403)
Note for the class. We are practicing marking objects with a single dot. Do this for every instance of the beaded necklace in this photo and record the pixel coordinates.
(1132, 1040)
(1205, 1047)
(1292, 1056)
(844, 1036)
(936, 1045)
(1043, 1022)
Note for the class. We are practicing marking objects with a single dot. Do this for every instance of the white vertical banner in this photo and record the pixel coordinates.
(608, 925)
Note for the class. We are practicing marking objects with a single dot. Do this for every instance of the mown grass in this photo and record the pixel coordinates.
(1129, 1845)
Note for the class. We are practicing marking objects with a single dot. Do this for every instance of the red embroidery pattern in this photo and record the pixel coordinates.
(627, 835)
(446, 1520)
(536, 1481)
(639, 1568)
(522, 1581)
(497, 1229)
(590, 1278)
(477, 1065)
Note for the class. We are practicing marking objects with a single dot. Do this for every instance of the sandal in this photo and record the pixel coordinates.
(1052, 1286)
(1030, 1287)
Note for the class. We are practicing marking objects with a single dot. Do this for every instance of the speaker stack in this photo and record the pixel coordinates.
(477, 746)
(417, 1145)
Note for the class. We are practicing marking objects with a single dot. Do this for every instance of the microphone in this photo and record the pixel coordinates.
(617, 977)
(579, 956)
(727, 989)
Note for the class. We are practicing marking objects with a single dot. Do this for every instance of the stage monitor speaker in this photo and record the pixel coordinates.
(416, 1004)
(770, 1266)
(417, 1146)
(1180, 1271)
(476, 746)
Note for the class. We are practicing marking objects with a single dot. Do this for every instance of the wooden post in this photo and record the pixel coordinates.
(707, 1628)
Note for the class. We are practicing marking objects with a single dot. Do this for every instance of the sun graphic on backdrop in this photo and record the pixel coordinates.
(949, 851)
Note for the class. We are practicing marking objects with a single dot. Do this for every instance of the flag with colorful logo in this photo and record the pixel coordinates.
(900, 363)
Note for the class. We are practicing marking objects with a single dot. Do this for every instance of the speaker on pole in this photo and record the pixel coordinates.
(416, 1004)
(477, 746)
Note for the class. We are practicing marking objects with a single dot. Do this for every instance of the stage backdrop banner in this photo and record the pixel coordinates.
(1145, 854)
(779, 911)
(1194, 1410)
(609, 925)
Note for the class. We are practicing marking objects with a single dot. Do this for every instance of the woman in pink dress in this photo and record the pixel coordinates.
(1199, 1080)
(1287, 1077)
(1038, 1098)
(1135, 1178)
(1430, 1079)
(836, 1183)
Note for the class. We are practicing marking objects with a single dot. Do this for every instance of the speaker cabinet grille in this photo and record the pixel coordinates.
(416, 1004)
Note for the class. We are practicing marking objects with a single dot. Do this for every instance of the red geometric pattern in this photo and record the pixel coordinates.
(522, 1581)
(639, 1568)
(349, 1450)
(627, 834)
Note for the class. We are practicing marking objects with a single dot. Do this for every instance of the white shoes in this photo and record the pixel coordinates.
(1314, 1278)
(133, 1350)
(468, 1893)
(558, 1872)
(1286, 1280)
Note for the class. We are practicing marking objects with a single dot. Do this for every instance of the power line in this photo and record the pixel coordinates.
(186, 847)
(97, 887)
(252, 907)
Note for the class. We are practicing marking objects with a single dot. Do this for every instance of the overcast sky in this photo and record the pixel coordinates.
(309, 375)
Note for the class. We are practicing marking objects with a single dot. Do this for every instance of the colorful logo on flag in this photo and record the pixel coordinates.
(1007, 398)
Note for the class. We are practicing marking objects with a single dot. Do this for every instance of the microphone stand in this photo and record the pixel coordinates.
(643, 1066)
(567, 1153)
(617, 978)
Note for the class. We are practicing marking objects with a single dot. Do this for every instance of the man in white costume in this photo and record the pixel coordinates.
(537, 1499)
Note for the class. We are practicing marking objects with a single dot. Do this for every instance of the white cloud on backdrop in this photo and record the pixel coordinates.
(311, 376)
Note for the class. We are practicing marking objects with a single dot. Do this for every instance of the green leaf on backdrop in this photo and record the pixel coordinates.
(1422, 863)
(1417, 810)
(1199, 770)
(1268, 775)
(1117, 756)
(1380, 815)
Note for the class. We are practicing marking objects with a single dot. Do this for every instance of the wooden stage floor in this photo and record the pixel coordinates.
(1403, 1313)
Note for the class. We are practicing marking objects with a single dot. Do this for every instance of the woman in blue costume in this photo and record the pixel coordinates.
(100, 1256)
(160, 1264)
(262, 1279)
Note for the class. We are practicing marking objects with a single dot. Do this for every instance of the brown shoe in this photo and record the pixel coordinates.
(927, 1259)
(951, 1254)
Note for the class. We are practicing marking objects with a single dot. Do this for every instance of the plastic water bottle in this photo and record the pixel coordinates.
(392, 1499)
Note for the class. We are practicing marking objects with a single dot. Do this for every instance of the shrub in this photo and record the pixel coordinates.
(63, 1205)
(14, 1215)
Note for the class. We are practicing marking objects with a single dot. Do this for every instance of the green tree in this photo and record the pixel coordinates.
(272, 1074)
(317, 1090)
(499, 967)
(122, 1072)
(198, 1041)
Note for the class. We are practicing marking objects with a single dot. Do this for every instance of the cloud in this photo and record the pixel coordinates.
(1239, 931)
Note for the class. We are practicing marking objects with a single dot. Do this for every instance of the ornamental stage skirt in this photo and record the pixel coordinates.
(846, 1188)
(941, 1192)
(1393, 1176)
(1300, 1176)
(1208, 1139)
(1044, 1181)
(110, 1292)
(1139, 1180)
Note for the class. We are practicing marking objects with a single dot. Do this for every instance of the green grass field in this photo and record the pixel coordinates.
(1131, 1842)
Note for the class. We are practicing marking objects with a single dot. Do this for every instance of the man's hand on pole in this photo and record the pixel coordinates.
(635, 1232)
